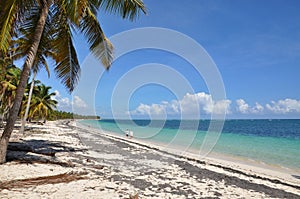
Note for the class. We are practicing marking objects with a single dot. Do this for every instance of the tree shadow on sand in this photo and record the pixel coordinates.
(42, 151)
(296, 176)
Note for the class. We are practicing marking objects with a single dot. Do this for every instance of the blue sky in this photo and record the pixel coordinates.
(254, 44)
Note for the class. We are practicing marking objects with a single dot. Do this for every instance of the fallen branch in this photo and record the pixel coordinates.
(60, 178)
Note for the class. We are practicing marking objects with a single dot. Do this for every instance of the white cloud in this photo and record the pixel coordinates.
(154, 109)
(65, 104)
(244, 108)
(284, 106)
(280, 107)
(258, 108)
(190, 104)
(222, 106)
(78, 102)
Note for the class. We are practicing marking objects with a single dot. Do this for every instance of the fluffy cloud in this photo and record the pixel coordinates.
(284, 106)
(66, 104)
(190, 104)
(154, 109)
(244, 108)
(257, 108)
(199, 103)
(78, 102)
(280, 107)
(63, 102)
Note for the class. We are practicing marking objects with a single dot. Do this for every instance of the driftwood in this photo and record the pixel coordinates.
(60, 178)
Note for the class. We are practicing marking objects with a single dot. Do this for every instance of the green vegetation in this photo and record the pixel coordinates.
(44, 28)
(8, 86)
(55, 115)
(42, 105)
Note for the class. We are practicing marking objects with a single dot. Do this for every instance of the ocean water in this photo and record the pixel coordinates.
(271, 142)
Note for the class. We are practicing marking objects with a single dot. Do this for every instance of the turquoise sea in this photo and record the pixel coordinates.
(271, 142)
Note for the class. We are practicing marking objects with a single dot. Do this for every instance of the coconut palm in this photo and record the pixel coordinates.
(22, 47)
(42, 102)
(64, 16)
(8, 87)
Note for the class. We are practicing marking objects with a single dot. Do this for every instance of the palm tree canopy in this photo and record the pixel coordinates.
(64, 18)
(8, 87)
(42, 101)
(11, 79)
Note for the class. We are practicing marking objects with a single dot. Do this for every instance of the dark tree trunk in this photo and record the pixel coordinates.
(13, 114)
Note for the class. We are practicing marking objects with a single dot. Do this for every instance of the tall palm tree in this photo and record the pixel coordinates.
(22, 47)
(64, 16)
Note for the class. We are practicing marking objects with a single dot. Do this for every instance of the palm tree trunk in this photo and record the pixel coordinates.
(13, 114)
(28, 104)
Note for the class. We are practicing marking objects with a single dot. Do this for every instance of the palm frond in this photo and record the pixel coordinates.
(99, 44)
(129, 9)
(11, 15)
(67, 66)
(105, 52)
(75, 9)
(8, 17)
(23, 43)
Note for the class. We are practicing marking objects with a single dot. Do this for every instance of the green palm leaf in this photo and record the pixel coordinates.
(12, 13)
(42, 101)
(99, 44)
(67, 68)
(24, 42)
(125, 8)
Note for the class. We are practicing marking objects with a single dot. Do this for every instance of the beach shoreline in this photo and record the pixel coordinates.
(97, 165)
(248, 167)
(265, 173)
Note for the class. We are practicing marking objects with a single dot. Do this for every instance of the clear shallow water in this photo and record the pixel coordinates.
(274, 142)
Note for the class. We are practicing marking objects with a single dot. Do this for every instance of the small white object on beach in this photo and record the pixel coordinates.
(111, 185)
(131, 133)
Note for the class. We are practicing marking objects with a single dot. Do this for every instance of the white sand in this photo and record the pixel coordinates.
(102, 182)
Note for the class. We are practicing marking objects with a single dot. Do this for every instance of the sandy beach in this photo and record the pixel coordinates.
(63, 160)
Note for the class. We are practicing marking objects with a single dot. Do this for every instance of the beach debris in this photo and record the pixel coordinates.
(30, 182)
(147, 174)
(110, 185)
(134, 196)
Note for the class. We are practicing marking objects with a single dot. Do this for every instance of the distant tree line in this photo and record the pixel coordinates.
(58, 115)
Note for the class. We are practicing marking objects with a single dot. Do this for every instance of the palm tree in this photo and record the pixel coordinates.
(8, 87)
(42, 103)
(21, 49)
(64, 16)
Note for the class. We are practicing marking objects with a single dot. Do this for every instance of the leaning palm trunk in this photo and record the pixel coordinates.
(28, 104)
(13, 114)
